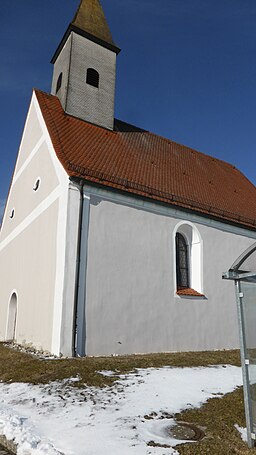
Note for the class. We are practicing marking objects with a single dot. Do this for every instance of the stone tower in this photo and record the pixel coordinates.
(85, 67)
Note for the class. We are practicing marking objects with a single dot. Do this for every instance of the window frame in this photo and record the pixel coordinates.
(182, 262)
(194, 243)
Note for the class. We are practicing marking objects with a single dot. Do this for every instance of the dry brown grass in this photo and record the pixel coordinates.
(218, 416)
(16, 366)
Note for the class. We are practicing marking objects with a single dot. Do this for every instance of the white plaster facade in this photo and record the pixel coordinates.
(92, 271)
(32, 242)
(129, 299)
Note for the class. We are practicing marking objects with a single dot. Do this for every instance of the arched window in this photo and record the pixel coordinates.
(182, 262)
(59, 82)
(92, 77)
(12, 314)
(188, 260)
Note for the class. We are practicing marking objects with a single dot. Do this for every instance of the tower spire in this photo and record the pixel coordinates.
(91, 19)
(84, 71)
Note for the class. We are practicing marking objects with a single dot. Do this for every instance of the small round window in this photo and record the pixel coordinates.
(37, 184)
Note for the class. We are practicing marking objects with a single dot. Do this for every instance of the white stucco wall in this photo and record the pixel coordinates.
(32, 243)
(131, 301)
(67, 340)
(29, 268)
(30, 138)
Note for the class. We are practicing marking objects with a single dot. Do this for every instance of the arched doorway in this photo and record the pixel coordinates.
(11, 324)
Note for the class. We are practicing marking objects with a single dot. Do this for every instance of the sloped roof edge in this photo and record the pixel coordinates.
(90, 18)
(90, 22)
(101, 156)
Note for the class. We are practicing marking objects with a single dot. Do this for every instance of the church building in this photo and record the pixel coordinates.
(114, 239)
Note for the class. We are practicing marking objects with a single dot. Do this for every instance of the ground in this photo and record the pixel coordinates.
(122, 405)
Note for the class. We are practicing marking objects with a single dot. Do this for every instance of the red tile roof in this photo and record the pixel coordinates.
(148, 165)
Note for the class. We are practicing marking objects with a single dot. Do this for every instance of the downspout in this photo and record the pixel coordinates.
(79, 321)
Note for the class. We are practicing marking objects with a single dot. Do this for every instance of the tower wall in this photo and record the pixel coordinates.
(62, 66)
(78, 98)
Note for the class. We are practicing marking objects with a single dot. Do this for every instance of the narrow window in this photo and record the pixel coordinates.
(12, 213)
(12, 314)
(92, 77)
(59, 82)
(182, 266)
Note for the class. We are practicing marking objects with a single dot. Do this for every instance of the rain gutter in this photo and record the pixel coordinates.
(79, 322)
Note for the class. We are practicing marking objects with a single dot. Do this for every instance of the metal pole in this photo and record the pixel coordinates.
(245, 366)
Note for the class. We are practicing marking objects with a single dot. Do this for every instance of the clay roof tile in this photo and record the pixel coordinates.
(142, 163)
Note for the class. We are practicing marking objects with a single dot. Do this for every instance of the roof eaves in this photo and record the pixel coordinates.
(79, 31)
(153, 193)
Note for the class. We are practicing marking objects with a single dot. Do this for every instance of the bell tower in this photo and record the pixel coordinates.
(85, 67)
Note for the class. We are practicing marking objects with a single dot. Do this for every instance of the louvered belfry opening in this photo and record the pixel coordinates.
(92, 77)
(182, 265)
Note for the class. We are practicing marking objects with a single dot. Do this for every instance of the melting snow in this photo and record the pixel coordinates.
(243, 432)
(57, 418)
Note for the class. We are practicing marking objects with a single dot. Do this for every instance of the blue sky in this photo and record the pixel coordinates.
(187, 71)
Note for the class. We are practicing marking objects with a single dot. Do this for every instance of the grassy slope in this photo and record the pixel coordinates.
(217, 416)
(19, 367)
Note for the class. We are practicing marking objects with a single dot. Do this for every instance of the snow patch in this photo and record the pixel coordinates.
(16, 429)
(124, 418)
(158, 431)
(242, 431)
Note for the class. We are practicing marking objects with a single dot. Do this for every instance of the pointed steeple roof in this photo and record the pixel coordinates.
(90, 22)
(91, 19)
